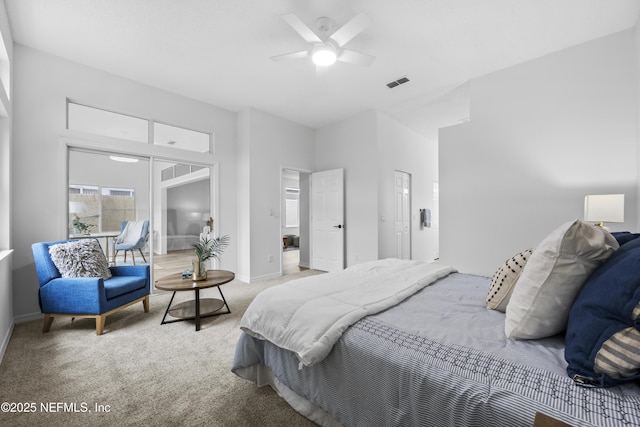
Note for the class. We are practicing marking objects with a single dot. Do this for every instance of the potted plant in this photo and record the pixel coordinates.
(206, 249)
(79, 226)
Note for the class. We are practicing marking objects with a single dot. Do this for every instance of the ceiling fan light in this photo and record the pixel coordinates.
(323, 55)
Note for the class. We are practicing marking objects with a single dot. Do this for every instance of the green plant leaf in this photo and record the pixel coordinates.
(211, 248)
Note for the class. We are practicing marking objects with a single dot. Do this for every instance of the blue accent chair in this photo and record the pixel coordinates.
(131, 245)
(91, 297)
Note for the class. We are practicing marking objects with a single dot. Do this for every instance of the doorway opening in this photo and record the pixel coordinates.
(294, 221)
(183, 213)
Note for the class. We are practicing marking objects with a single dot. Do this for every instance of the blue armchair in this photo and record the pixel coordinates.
(133, 235)
(92, 297)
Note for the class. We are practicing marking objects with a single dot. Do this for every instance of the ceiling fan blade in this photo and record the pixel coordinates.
(301, 28)
(353, 57)
(294, 55)
(351, 29)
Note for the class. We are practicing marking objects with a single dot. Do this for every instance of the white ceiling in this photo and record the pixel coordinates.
(218, 51)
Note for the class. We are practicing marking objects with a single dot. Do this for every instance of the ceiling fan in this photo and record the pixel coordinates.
(327, 47)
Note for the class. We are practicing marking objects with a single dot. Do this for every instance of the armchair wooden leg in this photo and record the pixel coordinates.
(145, 304)
(48, 320)
(100, 324)
(145, 260)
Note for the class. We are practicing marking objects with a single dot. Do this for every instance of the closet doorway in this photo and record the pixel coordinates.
(294, 224)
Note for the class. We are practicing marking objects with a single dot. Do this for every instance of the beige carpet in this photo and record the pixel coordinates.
(142, 372)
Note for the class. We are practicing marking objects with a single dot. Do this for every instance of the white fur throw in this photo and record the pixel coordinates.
(81, 258)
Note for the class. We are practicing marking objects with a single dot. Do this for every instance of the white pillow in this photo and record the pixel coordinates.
(553, 276)
(80, 258)
(504, 281)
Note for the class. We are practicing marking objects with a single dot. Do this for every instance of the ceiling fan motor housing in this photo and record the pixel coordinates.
(324, 54)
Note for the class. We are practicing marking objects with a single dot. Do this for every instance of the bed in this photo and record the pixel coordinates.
(433, 355)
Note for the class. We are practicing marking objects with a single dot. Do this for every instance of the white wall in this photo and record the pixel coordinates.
(636, 57)
(41, 85)
(370, 147)
(244, 196)
(267, 144)
(6, 299)
(403, 149)
(6, 142)
(542, 135)
(352, 145)
(6, 189)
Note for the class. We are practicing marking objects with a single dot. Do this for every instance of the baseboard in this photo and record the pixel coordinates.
(5, 340)
(266, 276)
(27, 317)
(245, 279)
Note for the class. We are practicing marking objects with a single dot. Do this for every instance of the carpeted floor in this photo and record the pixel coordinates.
(139, 372)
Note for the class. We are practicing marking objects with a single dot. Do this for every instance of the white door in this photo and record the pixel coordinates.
(435, 220)
(327, 220)
(403, 215)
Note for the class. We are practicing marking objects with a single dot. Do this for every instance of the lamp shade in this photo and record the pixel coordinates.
(604, 208)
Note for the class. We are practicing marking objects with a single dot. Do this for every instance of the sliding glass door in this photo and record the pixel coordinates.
(182, 211)
(105, 192)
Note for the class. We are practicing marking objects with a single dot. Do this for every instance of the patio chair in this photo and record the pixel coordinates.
(133, 235)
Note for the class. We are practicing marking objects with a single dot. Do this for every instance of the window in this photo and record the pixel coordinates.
(116, 125)
(292, 210)
(94, 209)
(106, 123)
(177, 170)
(291, 213)
(184, 139)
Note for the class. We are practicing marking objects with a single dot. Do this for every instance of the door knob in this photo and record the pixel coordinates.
(337, 226)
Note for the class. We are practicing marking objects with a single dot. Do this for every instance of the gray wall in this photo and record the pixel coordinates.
(184, 200)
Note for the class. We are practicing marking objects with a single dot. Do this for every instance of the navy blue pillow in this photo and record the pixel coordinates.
(624, 236)
(603, 308)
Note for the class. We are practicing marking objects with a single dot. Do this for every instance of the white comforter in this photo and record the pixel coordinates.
(307, 316)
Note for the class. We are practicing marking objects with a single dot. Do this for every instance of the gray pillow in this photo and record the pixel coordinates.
(81, 258)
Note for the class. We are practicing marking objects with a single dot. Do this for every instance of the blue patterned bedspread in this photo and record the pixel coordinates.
(437, 359)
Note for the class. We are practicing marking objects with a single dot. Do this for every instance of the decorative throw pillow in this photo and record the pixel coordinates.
(624, 236)
(80, 258)
(552, 278)
(602, 340)
(504, 280)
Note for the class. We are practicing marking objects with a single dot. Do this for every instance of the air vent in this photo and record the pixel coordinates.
(398, 82)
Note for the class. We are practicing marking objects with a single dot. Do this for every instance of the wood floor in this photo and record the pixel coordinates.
(171, 263)
(290, 261)
(178, 261)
